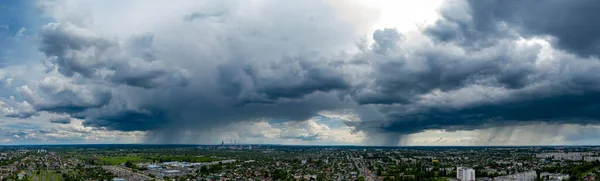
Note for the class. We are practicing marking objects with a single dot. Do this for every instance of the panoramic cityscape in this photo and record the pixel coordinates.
(281, 162)
(282, 90)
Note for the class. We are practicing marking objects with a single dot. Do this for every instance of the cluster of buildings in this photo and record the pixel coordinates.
(173, 169)
(523, 176)
(125, 174)
(591, 158)
(4, 156)
(572, 156)
(554, 176)
(6, 170)
(183, 164)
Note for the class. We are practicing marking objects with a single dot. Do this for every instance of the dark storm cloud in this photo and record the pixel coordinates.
(572, 23)
(60, 119)
(169, 112)
(437, 88)
(401, 77)
(580, 109)
(289, 78)
(63, 44)
(469, 27)
(74, 49)
(68, 97)
(221, 74)
(128, 120)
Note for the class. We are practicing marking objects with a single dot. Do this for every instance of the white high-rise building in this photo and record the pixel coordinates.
(470, 175)
(465, 174)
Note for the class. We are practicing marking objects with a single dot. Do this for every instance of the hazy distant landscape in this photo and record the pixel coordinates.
(290, 162)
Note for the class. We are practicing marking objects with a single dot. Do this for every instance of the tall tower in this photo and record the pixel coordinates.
(222, 143)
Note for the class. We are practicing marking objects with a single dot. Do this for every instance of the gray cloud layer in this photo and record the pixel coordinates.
(519, 87)
(569, 22)
(470, 70)
(61, 119)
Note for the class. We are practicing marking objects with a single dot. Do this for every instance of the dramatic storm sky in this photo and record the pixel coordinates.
(360, 72)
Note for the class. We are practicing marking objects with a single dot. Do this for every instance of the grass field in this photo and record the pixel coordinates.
(120, 160)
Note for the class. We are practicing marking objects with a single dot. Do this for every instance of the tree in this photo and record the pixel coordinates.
(204, 170)
(130, 164)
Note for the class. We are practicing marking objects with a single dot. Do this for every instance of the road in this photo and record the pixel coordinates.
(361, 168)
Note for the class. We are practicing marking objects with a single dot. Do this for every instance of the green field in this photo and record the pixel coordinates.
(120, 160)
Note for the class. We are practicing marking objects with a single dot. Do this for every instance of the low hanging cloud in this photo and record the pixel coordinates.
(211, 64)
(60, 119)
